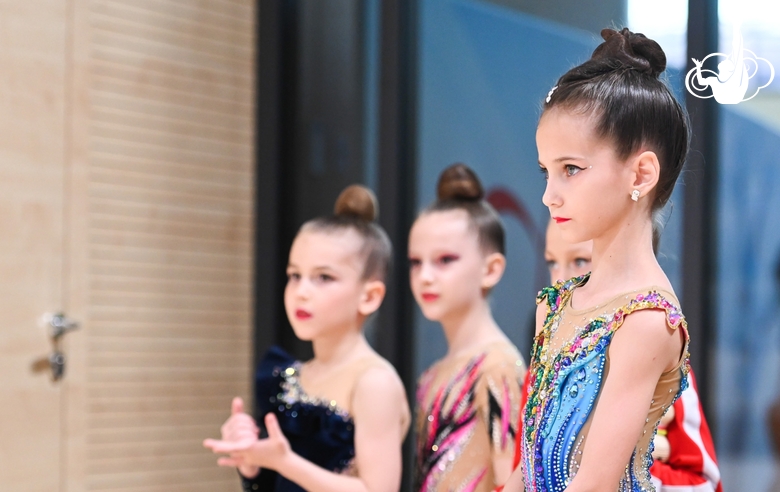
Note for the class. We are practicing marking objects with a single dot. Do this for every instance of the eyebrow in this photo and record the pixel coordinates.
(320, 267)
(565, 158)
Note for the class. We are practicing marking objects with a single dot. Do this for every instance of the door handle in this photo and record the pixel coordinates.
(57, 365)
(61, 325)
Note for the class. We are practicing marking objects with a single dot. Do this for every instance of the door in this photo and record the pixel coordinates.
(32, 127)
(126, 143)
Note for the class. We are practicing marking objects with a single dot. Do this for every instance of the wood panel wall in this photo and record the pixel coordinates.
(169, 238)
(32, 101)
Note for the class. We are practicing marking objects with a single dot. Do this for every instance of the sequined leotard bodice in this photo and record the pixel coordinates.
(467, 418)
(319, 431)
(564, 385)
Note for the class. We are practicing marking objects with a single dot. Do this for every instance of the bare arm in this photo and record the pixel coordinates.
(379, 411)
(642, 349)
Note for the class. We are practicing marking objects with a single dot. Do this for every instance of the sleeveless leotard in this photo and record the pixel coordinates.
(467, 415)
(565, 385)
(318, 430)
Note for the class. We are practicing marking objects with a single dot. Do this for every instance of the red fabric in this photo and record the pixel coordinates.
(518, 438)
(689, 440)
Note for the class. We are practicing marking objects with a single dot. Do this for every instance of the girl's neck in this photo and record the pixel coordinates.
(336, 349)
(471, 328)
(623, 259)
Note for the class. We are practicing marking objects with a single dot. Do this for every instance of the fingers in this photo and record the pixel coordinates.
(211, 443)
(239, 421)
(237, 406)
(239, 426)
(272, 426)
(230, 462)
(225, 447)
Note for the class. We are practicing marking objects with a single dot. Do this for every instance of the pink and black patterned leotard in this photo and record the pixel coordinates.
(467, 414)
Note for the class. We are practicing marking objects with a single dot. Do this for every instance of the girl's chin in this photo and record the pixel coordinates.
(434, 314)
(306, 333)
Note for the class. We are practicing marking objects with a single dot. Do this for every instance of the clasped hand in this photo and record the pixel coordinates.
(240, 441)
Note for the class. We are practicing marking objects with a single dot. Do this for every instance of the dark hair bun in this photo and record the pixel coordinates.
(459, 182)
(631, 49)
(357, 201)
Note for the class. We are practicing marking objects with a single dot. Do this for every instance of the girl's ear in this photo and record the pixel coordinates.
(372, 296)
(494, 266)
(645, 173)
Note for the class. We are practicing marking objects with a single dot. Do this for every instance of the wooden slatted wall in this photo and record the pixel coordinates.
(170, 230)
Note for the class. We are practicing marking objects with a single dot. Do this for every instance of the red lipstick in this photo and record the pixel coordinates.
(560, 220)
(427, 297)
(302, 315)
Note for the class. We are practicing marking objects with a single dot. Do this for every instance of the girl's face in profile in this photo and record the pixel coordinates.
(566, 260)
(446, 264)
(588, 187)
(324, 283)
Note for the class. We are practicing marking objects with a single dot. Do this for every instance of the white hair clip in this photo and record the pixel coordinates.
(549, 94)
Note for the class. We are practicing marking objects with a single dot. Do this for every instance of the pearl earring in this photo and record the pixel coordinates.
(635, 195)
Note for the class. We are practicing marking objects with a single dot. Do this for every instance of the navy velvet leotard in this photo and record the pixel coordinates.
(318, 430)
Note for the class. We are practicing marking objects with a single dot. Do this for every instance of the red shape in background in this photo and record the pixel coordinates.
(505, 202)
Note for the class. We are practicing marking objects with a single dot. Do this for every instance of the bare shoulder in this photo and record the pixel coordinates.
(379, 381)
(381, 374)
(647, 335)
(379, 397)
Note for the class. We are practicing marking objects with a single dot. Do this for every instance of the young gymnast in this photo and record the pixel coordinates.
(684, 454)
(335, 423)
(467, 402)
(610, 354)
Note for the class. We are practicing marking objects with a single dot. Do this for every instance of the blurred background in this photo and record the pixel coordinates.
(158, 156)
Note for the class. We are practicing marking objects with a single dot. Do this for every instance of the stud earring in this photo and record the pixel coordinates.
(635, 195)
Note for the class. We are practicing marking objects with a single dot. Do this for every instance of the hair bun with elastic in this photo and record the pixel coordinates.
(459, 182)
(357, 201)
(631, 49)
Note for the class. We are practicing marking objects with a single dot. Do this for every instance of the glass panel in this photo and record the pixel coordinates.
(748, 342)
(483, 72)
(665, 21)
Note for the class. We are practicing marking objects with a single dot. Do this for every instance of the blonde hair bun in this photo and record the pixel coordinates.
(357, 201)
(459, 182)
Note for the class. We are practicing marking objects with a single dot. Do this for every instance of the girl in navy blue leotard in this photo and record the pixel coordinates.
(336, 422)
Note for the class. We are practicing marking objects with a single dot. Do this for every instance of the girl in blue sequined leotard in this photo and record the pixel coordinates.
(566, 383)
(610, 352)
(336, 422)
